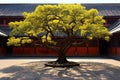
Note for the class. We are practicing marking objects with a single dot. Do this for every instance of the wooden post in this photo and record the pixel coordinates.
(87, 45)
(4, 22)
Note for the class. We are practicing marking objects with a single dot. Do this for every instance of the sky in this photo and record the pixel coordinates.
(58, 1)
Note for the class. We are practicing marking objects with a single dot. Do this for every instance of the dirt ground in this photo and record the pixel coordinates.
(34, 69)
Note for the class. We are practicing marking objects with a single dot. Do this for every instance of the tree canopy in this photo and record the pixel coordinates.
(62, 20)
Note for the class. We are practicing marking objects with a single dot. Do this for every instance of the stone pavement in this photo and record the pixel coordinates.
(34, 69)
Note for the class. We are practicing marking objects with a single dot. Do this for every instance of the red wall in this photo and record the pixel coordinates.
(93, 51)
(39, 51)
(52, 52)
(114, 51)
(2, 51)
(71, 51)
(118, 51)
(29, 51)
(18, 51)
(33, 51)
(82, 51)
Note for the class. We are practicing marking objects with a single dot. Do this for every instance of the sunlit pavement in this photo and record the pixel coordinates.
(17, 61)
(34, 69)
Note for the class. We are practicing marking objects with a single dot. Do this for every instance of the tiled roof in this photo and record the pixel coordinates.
(15, 9)
(18, 9)
(2, 34)
(106, 9)
(5, 30)
(115, 27)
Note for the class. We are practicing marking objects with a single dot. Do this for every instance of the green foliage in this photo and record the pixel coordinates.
(48, 21)
(18, 41)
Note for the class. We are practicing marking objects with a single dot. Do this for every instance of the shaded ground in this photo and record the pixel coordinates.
(37, 71)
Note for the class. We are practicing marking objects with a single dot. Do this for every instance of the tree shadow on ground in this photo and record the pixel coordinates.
(37, 71)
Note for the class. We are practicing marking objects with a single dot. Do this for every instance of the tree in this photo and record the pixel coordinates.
(47, 23)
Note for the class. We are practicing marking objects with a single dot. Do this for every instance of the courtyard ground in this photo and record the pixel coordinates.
(34, 69)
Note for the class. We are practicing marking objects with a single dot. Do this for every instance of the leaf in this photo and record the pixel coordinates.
(61, 20)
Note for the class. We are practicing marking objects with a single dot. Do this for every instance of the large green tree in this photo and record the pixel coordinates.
(47, 23)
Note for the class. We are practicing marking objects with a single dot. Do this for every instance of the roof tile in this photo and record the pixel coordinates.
(18, 9)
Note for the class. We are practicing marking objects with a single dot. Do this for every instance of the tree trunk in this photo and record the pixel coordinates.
(62, 52)
(62, 58)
